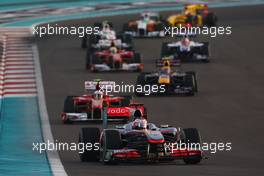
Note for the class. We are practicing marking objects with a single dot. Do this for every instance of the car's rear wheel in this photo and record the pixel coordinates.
(192, 80)
(210, 20)
(84, 41)
(90, 136)
(137, 58)
(97, 114)
(88, 60)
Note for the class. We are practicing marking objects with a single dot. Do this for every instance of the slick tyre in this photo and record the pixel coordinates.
(88, 60)
(190, 81)
(210, 20)
(68, 107)
(68, 104)
(137, 58)
(126, 100)
(193, 80)
(192, 135)
(140, 81)
(112, 141)
(84, 42)
(165, 50)
(90, 136)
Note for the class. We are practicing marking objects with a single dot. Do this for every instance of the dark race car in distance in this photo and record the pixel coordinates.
(174, 82)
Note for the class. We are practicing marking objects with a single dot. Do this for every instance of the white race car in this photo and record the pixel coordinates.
(186, 50)
(150, 25)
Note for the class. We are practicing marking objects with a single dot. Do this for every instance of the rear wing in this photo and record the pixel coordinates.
(99, 85)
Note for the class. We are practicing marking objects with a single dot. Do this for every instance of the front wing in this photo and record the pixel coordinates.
(124, 67)
(84, 117)
(134, 155)
(145, 33)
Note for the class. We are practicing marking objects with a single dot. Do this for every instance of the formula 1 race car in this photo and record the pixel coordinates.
(193, 15)
(173, 82)
(114, 59)
(105, 38)
(140, 141)
(186, 50)
(89, 107)
(105, 32)
(150, 25)
(96, 43)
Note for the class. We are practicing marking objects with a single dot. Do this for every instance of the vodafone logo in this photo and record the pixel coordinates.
(117, 111)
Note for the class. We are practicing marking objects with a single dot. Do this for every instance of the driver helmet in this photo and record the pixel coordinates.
(137, 114)
(113, 50)
(106, 26)
(98, 95)
(139, 124)
(185, 41)
(146, 16)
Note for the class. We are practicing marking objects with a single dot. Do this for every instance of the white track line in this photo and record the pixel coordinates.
(53, 156)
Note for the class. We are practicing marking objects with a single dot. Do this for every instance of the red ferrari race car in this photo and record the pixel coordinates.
(89, 107)
(140, 141)
(114, 59)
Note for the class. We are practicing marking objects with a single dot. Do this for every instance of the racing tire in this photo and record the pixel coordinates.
(126, 38)
(98, 25)
(164, 50)
(96, 60)
(68, 107)
(194, 160)
(192, 19)
(140, 81)
(194, 80)
(192, 135)
(68, 104)
(93, 39)
(84, 42)
(210, 20)
(137, 58)
(126, 100)
(205, 50)
(97, 114)
(159, 27)
(125, 27)
(90, 135)
(112, 141)
(88, 60)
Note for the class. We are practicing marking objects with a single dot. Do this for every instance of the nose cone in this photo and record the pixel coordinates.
(155, 137)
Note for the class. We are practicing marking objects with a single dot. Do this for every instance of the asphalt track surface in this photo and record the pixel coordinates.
(228, 107)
